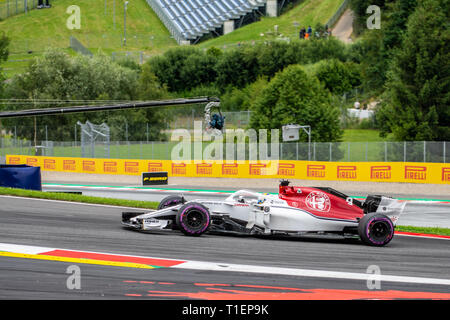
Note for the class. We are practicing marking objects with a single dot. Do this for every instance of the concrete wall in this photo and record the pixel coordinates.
(272, 8)
(228, 26)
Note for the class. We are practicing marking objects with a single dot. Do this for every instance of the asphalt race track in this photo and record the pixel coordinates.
(230, 268)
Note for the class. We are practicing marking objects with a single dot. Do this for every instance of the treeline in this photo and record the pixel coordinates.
(405, 64)
(57, 79)
(183, 69)
(239, 76)
(251, 76)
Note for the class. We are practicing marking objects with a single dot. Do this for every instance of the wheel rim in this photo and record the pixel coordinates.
(379, 231)
(194, 219)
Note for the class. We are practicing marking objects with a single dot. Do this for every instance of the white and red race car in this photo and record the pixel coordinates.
(294, 211)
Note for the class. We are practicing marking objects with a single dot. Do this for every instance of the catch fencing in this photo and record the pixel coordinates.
(407, 151)
(10, 8)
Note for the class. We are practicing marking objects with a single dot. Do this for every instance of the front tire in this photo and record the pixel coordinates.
(376, 229)
(170, 201)
(193, 219)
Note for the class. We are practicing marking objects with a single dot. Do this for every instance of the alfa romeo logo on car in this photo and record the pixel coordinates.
(318, 201)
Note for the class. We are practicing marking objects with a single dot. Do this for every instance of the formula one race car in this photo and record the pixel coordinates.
(294, 211)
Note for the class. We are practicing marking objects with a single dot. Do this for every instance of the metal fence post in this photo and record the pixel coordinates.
(404, 151)
(331, 147)
(314, 151)
(444, 151)
(348, 151)
(424, 151)
(367, 146)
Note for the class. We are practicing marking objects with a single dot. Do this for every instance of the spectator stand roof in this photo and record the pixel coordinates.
(189, 20)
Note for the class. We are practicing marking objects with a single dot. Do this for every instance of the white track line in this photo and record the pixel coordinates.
(210, 266)
(254, 269)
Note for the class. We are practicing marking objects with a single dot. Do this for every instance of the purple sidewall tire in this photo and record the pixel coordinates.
(170, 201)
(193, 219)
(376, 229)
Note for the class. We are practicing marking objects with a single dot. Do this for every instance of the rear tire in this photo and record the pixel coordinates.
(193, 219)
(376, 229)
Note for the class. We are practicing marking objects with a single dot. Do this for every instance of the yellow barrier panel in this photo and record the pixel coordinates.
(410, 172)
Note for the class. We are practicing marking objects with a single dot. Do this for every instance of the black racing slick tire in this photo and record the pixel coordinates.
(376, 229)
(170, 201)
(193, 219)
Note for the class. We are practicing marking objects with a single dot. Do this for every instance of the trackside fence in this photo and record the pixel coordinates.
(407, 151)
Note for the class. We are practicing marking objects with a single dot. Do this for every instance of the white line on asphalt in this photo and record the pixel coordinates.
(210, 266)
(226, 267)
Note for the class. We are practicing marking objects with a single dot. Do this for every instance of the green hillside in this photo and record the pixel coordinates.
(47, 27)
(308, 12)
(103, 29)
(37, 30)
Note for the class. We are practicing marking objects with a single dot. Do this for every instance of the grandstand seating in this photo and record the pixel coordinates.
(189, 20)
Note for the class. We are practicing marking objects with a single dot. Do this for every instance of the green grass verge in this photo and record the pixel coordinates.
(153, 205)
(362, 135)
(77, 198)
(426, 230)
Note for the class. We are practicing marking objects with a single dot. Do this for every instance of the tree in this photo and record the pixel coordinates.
(374, 49)
(236, 99)
(237, 68)
(337, 76)
(359, 7)
(4, 53)
(416, 100)
(369, 52)
(272, 57)
(149, 88)
(184, 68)
(397, 16)
(75, 81)
(294, 97)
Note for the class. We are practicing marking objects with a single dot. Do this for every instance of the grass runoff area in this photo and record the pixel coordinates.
(153, 205)
(71, 197)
